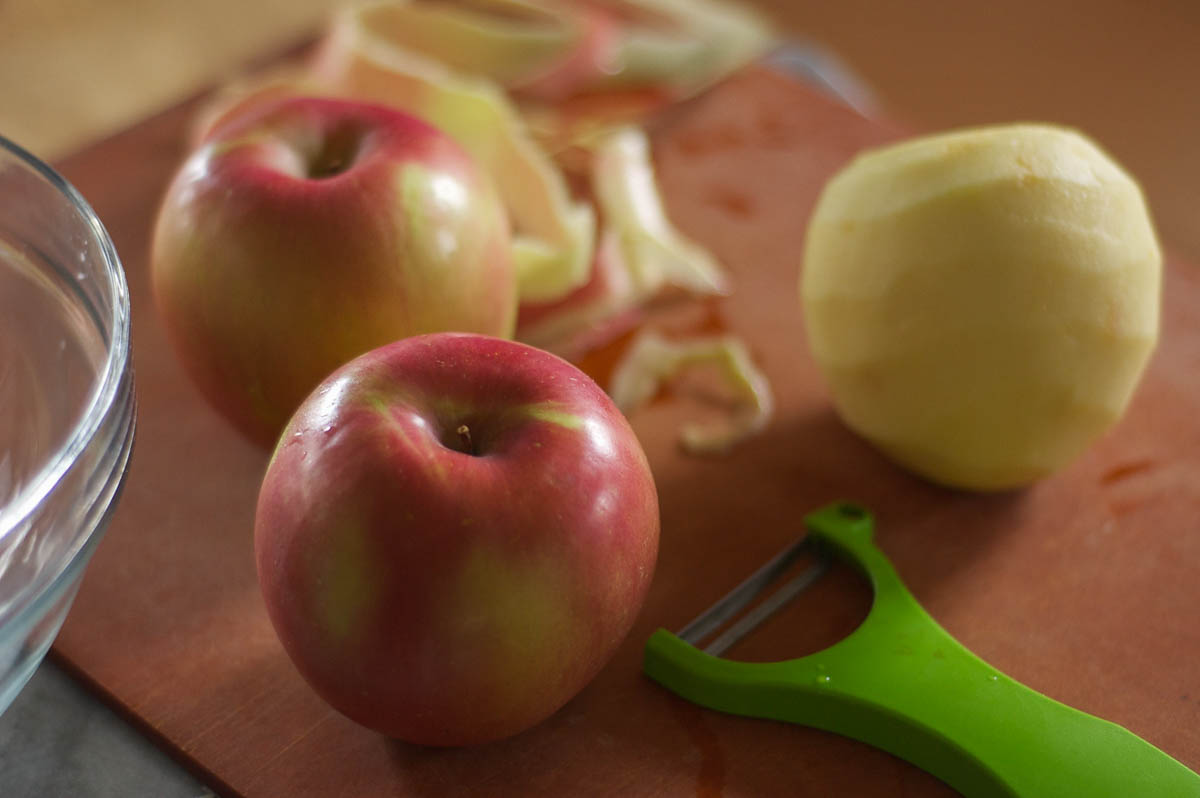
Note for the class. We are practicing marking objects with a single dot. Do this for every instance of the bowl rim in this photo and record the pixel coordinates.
(105, 389)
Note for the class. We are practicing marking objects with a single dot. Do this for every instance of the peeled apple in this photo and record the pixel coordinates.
(982, 303)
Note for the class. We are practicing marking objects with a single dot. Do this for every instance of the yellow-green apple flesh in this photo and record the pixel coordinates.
(308, 231)
(454, 534)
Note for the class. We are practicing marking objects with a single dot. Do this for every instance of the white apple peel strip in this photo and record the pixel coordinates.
(713, 40)
(652, 360)
(700, 42)
(645, 252)
(523, 37)
(656, 254)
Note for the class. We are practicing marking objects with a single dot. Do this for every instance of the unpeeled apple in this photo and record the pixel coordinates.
(306, 231)
(453, 536)
(982, 303)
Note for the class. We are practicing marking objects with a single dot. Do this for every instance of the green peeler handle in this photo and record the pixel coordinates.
(901, 683)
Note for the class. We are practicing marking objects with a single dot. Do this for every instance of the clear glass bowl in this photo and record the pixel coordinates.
(66, 403)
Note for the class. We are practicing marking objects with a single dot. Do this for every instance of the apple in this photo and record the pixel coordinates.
(983, 302)
(307, 231)
(453, 535)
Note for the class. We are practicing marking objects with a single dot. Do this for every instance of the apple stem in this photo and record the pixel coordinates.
(464, 436)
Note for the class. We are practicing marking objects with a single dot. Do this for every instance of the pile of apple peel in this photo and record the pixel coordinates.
(551, 99)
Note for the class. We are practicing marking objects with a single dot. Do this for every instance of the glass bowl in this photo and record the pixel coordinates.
(66, 403)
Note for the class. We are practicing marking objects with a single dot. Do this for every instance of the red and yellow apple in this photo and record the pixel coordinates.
(454, 534)
(307, 231)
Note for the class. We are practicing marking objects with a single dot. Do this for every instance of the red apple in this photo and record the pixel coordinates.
(307, 231)
(453, 536)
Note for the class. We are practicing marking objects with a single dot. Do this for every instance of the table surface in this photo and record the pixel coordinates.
(1125, 74)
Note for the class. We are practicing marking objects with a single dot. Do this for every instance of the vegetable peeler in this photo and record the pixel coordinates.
(901, 683)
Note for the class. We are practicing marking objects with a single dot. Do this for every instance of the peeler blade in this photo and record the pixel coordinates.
(735, 601)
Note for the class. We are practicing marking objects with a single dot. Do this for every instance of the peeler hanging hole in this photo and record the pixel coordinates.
(771, 595)
(851, 512)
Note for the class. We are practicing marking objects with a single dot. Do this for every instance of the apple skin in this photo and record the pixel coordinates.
(444, 597)
(307, 231)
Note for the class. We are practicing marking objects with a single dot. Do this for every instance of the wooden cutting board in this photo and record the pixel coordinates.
(1085, 587)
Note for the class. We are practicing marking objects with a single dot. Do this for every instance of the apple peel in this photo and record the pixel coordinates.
(552, 51)
(685, 44)
(575, 323)
(506, 40)
(656, 253)
(640, 254)
(652, 360)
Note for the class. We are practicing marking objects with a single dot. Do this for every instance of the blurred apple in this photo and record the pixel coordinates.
(453, 536)
(307, 231)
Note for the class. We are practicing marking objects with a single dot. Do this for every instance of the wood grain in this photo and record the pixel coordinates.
(1083, 587)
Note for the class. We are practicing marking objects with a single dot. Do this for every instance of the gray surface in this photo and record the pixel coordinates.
(59, 741)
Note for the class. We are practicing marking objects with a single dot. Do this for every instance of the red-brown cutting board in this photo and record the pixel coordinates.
(1085, 587)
